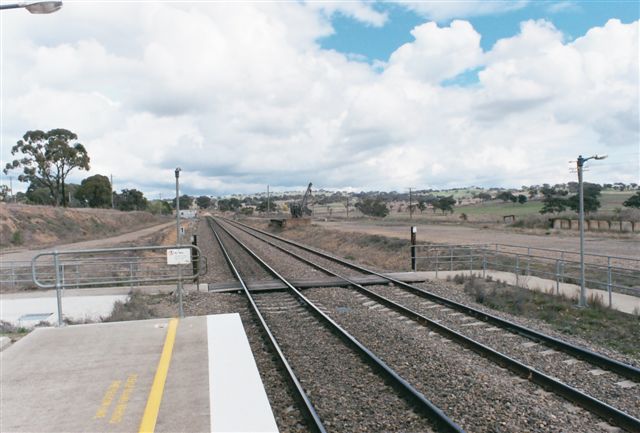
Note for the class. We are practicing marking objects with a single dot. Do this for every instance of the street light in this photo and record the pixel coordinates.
(36, 7)
(583, 298)
(178, 239)
(178, 169)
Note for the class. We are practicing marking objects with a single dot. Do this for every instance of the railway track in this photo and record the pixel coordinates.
(351, 389)
(609, 391)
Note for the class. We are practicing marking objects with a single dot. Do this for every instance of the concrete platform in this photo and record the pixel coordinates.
(163, 375)
(28, 308)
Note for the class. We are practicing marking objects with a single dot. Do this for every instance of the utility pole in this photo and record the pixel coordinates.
(410, 205)
(112, 201)
(347, 207)
(580, 165)
(178, 206)
(268, 202)
(178, 238)
(11, 188)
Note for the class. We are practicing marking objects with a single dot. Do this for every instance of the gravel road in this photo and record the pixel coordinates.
(135, 236)
(456, 234)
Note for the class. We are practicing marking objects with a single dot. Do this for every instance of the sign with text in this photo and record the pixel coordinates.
(179, 256)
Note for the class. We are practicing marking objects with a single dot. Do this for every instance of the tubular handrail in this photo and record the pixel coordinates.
(56, 254)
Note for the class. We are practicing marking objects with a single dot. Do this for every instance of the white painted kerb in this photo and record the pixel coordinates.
(238, 400)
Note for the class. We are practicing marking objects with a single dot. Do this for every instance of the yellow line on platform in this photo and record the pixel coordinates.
(150, 416)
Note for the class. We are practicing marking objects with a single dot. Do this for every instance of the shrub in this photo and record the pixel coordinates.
(373, 207)
(135, 308)
(458, 278)
(16, 238)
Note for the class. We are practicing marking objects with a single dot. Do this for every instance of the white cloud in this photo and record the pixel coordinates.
(240, 95)
(437, 52)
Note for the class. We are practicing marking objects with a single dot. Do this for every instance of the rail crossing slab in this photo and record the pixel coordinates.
(162, 375)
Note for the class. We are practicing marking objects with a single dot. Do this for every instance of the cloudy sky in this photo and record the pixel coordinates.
(351, 94)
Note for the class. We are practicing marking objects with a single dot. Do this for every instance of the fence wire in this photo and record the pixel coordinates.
(609, 273)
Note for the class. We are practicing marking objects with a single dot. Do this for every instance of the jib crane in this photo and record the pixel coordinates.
(300, 209)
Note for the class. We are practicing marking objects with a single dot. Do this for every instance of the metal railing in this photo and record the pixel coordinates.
(609, 273)
(110, 267)
(86, 271)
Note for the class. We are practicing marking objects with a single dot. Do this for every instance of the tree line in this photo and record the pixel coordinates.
(47, 158)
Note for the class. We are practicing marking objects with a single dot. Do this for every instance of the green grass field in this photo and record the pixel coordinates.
(498, 208)
(489, 211)
(613, 199)
(609, 201)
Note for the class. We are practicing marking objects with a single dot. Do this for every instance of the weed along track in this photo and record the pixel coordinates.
(486, 373)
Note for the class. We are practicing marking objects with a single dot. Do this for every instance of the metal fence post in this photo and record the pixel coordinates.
(470, 261)
(414, 230)
(609, 279)
(56, 263)
(451, 257)
(13, 276)
(77, 277)
(557, 277)
(528, 261)
(437, 265)
(562, 267)
(517, 269)
(131, 275)
(180, 308)
(484, 264)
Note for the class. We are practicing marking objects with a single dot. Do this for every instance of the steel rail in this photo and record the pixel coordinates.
(600, 408)
(625, 370)
(309, 411)
(434, 413)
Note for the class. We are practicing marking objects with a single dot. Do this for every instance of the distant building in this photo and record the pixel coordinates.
(188, 213)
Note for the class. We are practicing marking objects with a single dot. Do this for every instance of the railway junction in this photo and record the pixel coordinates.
(366, 352)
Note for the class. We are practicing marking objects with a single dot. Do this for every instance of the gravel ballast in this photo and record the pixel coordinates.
(578, 374)
(217, 268)
(287, 415)
(479, 395)
(348, 395)
(476, 393)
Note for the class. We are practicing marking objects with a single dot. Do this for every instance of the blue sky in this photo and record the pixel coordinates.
(573, 18)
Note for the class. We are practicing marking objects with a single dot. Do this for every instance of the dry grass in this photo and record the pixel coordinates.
(597, 323)
(136, 307)
(41, 226)
(142, 306)
(381, 252)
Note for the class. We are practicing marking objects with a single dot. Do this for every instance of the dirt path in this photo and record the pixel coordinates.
(450, 234)
(25, 254)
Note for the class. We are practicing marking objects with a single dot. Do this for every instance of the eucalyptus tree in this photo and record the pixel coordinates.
(48, 158)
